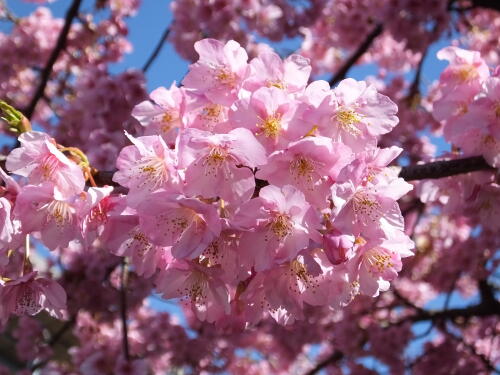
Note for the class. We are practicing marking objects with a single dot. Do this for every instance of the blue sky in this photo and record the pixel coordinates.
(149, 24)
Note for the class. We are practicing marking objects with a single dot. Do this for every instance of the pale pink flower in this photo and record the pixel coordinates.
(187, 224)
(29, 294)
(310, 164)
(162, 114)
(39, 159)
(268, 113)
(196, 285)
(43, 209)
(378, 262)
(146, 166)
(268, 69)
(355, 114)
(219, 72)
(220, 165)
(276, 226)
(365, 199)
(204, 114)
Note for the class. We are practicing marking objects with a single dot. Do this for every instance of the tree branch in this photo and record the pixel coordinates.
(330, 360)
(444, 168)
(157, 50)
(123, 309)
(489, 4)
(363, 47)
(47, 70)
(432, 170)
(488, 306)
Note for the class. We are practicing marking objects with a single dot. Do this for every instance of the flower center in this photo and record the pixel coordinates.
(195, 288)
(271, 126)
(152, 170)
(277, 83)
(347, 120)
(214, 160)
(225, 77)
(280, 225)
(60, 212)
(366, 206)
(466, 73)
(302, 169)
(377, 261)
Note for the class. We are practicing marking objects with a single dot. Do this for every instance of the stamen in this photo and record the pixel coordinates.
(347, 120)
(59, 211)
(302, 169)
(377, 261)
(280, 226)
(214, 160)
(365, 206)
(271, 126)
(153, 172)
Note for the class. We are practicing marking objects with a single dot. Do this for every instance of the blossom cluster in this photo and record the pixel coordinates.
(468, 104)
(253, 193)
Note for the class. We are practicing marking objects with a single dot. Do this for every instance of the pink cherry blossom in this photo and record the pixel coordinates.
(268, 113)
(219, 72)
(220, 165)
(146, 166)
(43, 209)
(196, 285)
(355, 114)
(31, 294)
(310, 164)
(39, 159)
(187, 224)
(276, 226)
(162, 114)
(268, 69)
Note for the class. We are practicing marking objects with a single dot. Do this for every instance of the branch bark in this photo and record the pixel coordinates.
(330, 360)
(49, 66)
(444, 168)
(123, 309)
(363, 47)
(157, 50)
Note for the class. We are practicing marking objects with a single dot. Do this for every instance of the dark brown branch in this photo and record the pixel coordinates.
(488, 306)
(157, 50)
(104, 178)
(54, 340)
(444, 168)
(363, 47)
(123, 309)
(414, 90)
(489, 4)
(330, 360)
(432, 170)
(49, 66)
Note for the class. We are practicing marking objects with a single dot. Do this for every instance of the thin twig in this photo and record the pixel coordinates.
(47, 70)
(123, 309)
(363, 47)
(157, 50)
(54, 339)
(330, 360)
(414, 90)
(8, 15)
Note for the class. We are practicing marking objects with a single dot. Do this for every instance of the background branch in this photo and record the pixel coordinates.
(363, 47)
(47, 70)
(444, 168)
(123, 309)
(157, 50)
